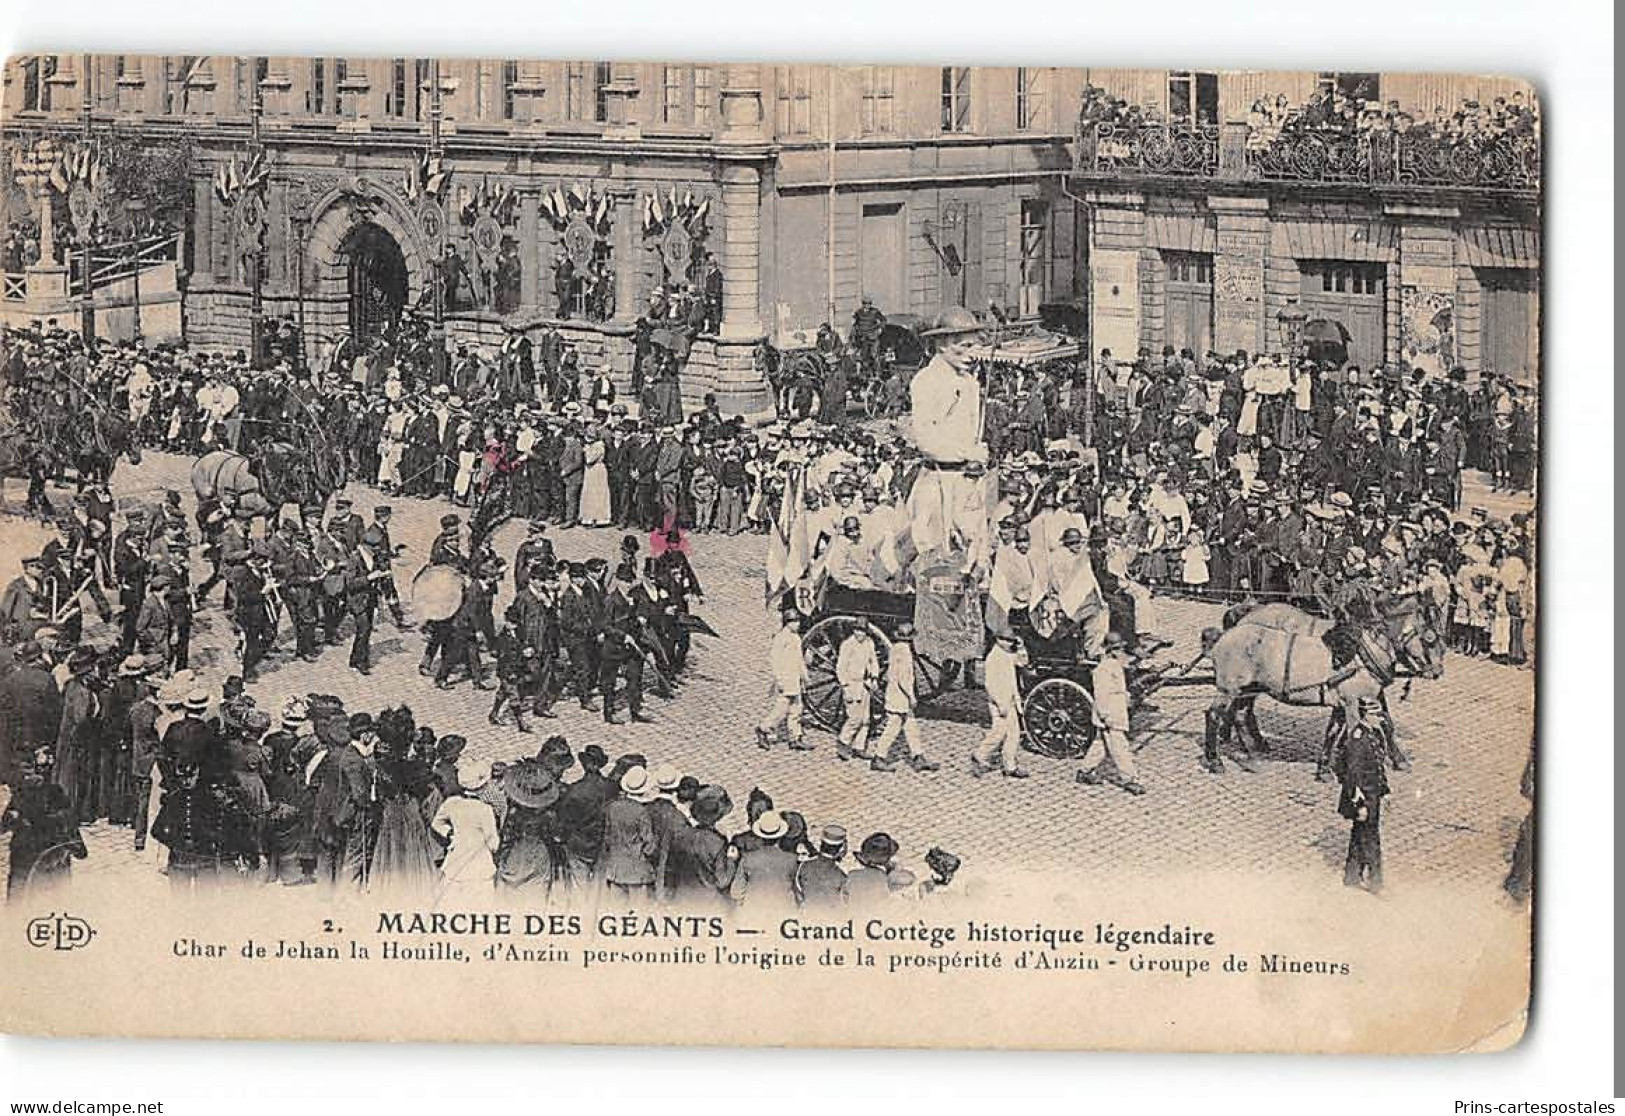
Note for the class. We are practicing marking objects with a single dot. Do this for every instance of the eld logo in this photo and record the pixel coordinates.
(59, 931)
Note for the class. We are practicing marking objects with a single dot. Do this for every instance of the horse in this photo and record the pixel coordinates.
(1279, 651)
(107, 438)
(230, 477)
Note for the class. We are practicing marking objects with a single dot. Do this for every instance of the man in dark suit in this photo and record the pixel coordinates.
(364, 572)
(821, 882)
(347, 523)
(534, 556)
(30, 712)
(130, 571)
(191, 739)
(247, 589)
(581, 815)
(621, 653)
(387, 553)
(344, 813)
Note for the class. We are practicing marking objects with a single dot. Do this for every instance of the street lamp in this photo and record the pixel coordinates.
(133, 210)
(1291, 320)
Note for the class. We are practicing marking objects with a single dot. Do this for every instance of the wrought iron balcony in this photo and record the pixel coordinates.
(1505, 162)
(1181, 150)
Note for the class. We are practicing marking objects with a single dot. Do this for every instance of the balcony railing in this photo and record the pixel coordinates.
(1232, 152)
(1183, 150)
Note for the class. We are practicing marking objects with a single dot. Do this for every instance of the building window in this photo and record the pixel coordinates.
(395, 96)
(316, 95)
(1029, 98)
(341, 74)
(674, 94)
(1347, 278)
(686, 95)
(601, 77)
(878, 109)
(1354, 86)
(37, 74)
(1189, 267)
(510, 78)
(1034, 257)
(585, 98)
(956, 98)
(795, 100)
(1193, 97)
(704, 96)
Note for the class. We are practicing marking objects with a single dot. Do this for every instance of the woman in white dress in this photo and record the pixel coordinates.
(595, 484)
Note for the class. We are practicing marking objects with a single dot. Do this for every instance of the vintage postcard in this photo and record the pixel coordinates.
(768, 554)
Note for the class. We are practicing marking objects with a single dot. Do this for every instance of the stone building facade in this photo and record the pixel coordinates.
(1201, 234)
(810, 186)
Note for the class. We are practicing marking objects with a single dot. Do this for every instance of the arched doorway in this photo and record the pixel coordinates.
(377, 273)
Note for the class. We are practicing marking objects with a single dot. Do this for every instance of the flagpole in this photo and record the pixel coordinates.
(437, 330)
(256, 305)
(87, 305)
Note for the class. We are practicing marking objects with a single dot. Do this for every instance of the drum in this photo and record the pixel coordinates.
(437, 591)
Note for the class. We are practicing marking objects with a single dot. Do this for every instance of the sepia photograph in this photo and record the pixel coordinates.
(850, 535)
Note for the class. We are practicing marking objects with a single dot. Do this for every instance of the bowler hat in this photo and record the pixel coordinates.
(877, 850)
(593, 758)
(708, 810)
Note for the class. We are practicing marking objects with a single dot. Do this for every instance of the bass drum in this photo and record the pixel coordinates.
(437, 591)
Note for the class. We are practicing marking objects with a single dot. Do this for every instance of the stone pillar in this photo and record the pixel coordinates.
(1426, 336)
(202, 231)
(47, 229)
(626, 251)
(742, 152)
(741, 253)
(1116, 236)
(1242, 228)
(529, 256)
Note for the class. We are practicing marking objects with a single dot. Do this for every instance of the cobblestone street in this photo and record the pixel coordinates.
(1453, 817)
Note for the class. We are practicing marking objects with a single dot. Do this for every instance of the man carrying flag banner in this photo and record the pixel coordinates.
(788, 551)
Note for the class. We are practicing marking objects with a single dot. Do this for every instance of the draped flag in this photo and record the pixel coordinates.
(788, 552)
(1011, 587)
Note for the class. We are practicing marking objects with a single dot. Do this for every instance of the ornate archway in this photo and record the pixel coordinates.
(365, 244)
(377, 280)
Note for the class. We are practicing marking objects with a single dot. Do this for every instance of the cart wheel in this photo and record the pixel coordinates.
(821, 692)
(874, 398)
(1059, 718)
(933, 678)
